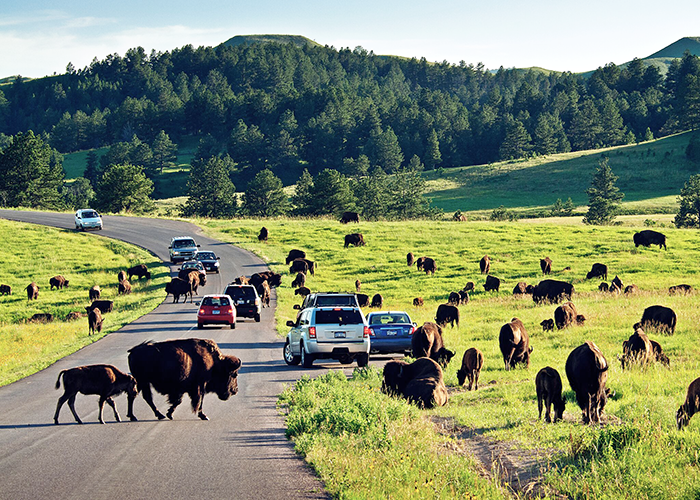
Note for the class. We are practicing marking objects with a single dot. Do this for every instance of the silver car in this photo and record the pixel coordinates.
(87, 218)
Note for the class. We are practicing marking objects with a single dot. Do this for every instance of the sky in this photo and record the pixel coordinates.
(39, 37)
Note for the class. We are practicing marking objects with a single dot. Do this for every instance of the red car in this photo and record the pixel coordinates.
(216, 309)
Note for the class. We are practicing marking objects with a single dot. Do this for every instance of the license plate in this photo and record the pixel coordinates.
(240, 301)
(215, 311)
(339, 335)
(392, 332)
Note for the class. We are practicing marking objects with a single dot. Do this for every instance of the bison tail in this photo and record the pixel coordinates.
(58, 380)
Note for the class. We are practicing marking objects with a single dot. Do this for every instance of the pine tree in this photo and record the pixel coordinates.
(516, 143)
(332, 193)
(689, 210)
(603, 196)
(164, 151)
(265, 196)
(124, 188)
(302, 200)
(372, 194)
(432, 156)
(210, 192)
(92, 168)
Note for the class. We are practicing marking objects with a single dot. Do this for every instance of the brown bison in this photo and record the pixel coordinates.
(587, 371)
(547, 291)
(263, 234)
(637, 349)
(241, 280)
(295, 254)
(454, 299)
(485, 264)
(140, 271)
(94, 293)
(94, 319)
(362, 299)
(598, 270)
(515, 344)
(523, 288)
(427, 342)
(469, 286)
(104, 306)
(463, 297)
(41, 318)
(58, 282)
(659, 354)
(648, 237)
(547, 325)
(349, 217)
(355, 239)
(177, 287)
(192, 276)
(631, 289)
(492, 284)
(419, 263)
(565, 315)
(264, 292)
(300, 280)
(659, 318)
(418, 302)
(409, 259)
(377, 300)
(182, 366)
(303, 291)
(680, 289)
(447, 313)
(299, 266)
(420, 382)
(358, 284)
(546, 265)
(5, 290)
(691, 406)
(429, 265)
(121, 276)
(124, 288)
(104, 380)
(73, 315)
(549, 387)
(32, 291)
(472, 362)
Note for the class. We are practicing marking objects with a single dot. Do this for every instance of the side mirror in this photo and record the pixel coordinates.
(297, 307)
(218, 258)
(197, 303)
(290, 323)
(170, 247)
(199, 246)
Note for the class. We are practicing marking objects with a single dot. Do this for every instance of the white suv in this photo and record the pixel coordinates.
(87, 218)
(328, 332)
(182, 248)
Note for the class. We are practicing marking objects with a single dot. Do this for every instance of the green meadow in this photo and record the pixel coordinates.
(35, 254)
(339, 424)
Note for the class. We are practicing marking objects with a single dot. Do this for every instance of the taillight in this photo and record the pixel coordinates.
(201, 311)
(227, 309)
(413, 330)
(312, 332)
(367, 332)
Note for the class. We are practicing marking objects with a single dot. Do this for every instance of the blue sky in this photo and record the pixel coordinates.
(39, 37)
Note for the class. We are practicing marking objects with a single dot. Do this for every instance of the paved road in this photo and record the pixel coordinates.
(241, 452)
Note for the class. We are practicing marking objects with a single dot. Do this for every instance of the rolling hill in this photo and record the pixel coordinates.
(297, 40)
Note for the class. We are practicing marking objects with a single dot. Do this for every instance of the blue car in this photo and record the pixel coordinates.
(390, 332)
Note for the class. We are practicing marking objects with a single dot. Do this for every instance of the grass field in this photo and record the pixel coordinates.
(36, 253)
(637, 453)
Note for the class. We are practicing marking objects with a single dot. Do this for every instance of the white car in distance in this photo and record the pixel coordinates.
(87, 218)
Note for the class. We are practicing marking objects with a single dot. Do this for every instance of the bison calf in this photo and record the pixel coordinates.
(547, 325)
(124, 287)
(472, 362)
(103, 380)
(548, 384)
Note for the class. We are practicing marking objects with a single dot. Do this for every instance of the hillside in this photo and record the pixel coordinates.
(296, 40)
(678, 48)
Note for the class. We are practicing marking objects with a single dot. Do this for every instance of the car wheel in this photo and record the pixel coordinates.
(362, 360)
(307, 360)
(345, 360)
(200, 325)
(257, 318)
(289, 356)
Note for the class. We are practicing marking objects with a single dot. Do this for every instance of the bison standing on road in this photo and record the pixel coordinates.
(598, 270)
(546, 265)
(177, 287)
(648, 237)
(140, 271)
(691, 406)
(549, 387)
(659, 318)
(354, 239)
(176, 367)
(552, 291)
(427, 342)
(32, 291)
(515, 344)
(485, 264)
(420, 382)
(587, 371)
(472, 363)
(349, 217)
(58, 282)
(103, 380)
(447, 313)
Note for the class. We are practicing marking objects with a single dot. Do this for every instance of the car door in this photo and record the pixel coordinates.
(295, 334)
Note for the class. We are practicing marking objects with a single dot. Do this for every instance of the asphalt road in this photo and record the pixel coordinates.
(241, 452)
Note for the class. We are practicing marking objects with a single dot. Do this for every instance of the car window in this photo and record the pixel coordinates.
(215, 301)
(338, 316)
(206, 255)
(335, 300)
(183, 243)
(243, 292)
(90, 215)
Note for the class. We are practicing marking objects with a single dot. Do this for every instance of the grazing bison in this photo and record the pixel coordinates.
(418, 302)
(659, 354)
(447, 313)
(565, 315)
(522, 288)
(140, 271)
(680, 289)
(492, 284)
(616, 285)
(631, 289)
(5, 290)
(420, 382)
(58, 282)
(177, 287)
(311, 265)
(691, 406)
(427, 342)
(587, 371)
(104, 306)
(362, 299)
(485, 264)
(295, 254)
(547, 291)
(349, 217)
(124, 288)
(354, 239)
(549, 387)
(182, 366)
(299, 266)
(637, 349)
(377, 300)
(648, 237)
(94, 319)
(409, 259)
(73, 315)
(32, 291)
(104, 380)
(603, 287)
(419, 263)
(454, 299)
(469, 286)
(358, 284)
(94, 293)
(546, 265)
(41, 318)
(302, 290)
(515, 344)
(472, 362)
(547, 325)
(463, 297)
(263, 234)
(429, 265)
(598, 271)
(659, 318)
(300, 280)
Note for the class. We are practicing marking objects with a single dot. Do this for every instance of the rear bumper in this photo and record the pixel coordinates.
(337, 349)
(244, 311)
(387, 346)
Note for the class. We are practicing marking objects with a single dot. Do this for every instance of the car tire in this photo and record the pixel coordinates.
(288, 355)
(200, 325)
(362, 360)
(345, 360)
(307, 360)
(257, 318)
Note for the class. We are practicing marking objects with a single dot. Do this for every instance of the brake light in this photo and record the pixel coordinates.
(312, 332)
(227, 309)
(413, 330)
(367, 332)
(201, 310)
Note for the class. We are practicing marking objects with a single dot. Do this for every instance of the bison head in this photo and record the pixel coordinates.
(682, 417)
(461, 376)
(444, 356)
(224, 378)
(580, 319)
(393, 377)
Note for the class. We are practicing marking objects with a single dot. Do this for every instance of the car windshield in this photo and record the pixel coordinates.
(183, 243)
(90, 214)
(215, 301)
(189, 265)
(206, 256)
(388, 319)
(335, 300)
(338, 317)
(241, 292)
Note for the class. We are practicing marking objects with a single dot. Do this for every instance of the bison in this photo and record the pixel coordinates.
(549, 387)
(177, 287)
(5, 290)
(659, 354)
(648, 237)
(409, 259)
(124, 288)
(463, 297)
(73, 315)
(362, 299)
(598, 270)
(546, 265)
(94, 319)
(631, 289)
(454, 299)
(616, 285)
(358, 284)
(587, 371)
(492, 284)
(691, 406)
(603, 287)
(680, 289)
(299, 266)
(140, 271)
(103, 380)
(94, 293)
(354, 239)
(264, 292)
(427, 342)
(659, 318)
(263, 234)
(377, 300)
(637, 349)
(104, 306)
(552, 291)
(522, 288)
(299, 281)
(547, 325)
(565, 315)
(515, 344)
(418, 302)
(303, 291)
(176, 367)
(429, 265)
(485, 264)
(295, 254)
(41, 318)
(447, 313)
(469, 286)
(192, 276)
(419, 263)
(472, 362)
(32, 291)
(58, 282)
(420, 382)
(349, 217)
(121, 276)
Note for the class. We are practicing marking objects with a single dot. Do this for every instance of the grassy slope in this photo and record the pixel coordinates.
(36, 254)
(632, 454)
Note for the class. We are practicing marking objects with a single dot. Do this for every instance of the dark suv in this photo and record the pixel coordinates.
(246, 300)
(322, 299)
